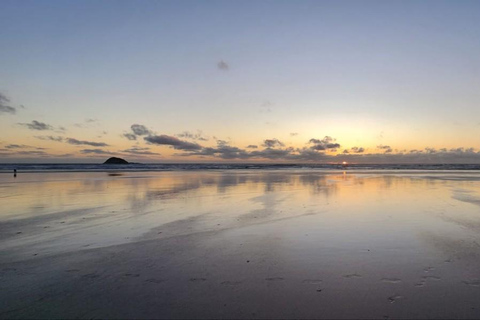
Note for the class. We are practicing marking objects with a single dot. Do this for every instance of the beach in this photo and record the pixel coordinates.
(240, 244)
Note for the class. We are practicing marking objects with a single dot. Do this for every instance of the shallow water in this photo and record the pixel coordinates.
(371, 244)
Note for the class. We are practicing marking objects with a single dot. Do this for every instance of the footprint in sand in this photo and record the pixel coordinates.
(353, 275)
(135, 275)
(391, 280)
(312, 281)
(197, 279)
(473, 283)
(231, 283)
(432, 278)
(428, 269)
(420, 284)
(274, 279)
(154, 280)
(394, 298)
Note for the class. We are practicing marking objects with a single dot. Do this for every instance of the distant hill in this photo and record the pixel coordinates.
(114, 160)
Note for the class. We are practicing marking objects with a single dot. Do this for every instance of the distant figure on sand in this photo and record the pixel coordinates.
(14, 173)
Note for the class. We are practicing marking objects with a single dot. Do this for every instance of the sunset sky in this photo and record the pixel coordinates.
(240, 81)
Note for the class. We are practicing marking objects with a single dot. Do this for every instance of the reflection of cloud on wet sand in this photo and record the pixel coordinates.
(269, 203)
(466, 196)
(453, 248)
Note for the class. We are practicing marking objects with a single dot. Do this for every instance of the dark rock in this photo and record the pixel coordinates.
(114, 160)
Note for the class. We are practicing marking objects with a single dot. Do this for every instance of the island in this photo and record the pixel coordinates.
(115, 160)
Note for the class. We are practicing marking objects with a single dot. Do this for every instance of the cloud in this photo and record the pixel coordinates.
(193, 136)
(266, 107)
(4, 107)
(95, 151)
(36, 153)
(222, 65)
(130, 136)
(87, 143)
(36, 125)
(223, 150)
(17, 146)
(357, 150)
(51, 138)
(140, 151)
(252, 146)
(383, 147)
(324, 144)
(387, 149)
(173, 141)
(87, 123)
(272, 143)
(272, 153)
(22, 146)
(140, 130)
(293, 134)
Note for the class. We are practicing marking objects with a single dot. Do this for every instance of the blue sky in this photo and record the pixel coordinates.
(402, 74)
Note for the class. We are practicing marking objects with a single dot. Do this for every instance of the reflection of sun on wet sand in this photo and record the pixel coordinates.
(247, 244)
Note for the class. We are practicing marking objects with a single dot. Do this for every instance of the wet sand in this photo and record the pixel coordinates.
(240, 244)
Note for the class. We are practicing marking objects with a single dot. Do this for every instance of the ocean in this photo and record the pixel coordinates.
(84, 167)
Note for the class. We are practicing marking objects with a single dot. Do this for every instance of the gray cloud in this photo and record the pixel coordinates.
(387, 149)
(383, 147)
(222, 65)
(193, 136)
(22, 146)
(357, 150)
(426, 155)
(272, 154)
(51, 138)
(95, 151)
(87, 123)
(17, 146)
(87, 143)
(293, 134)
(32, 152)
(173, 141)
(4, 107)
(324, 144)
(130, 136)
(140, 130)
(252, 146)
(272, 143)
(223, 150)
(140, 151)
(36, 125)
